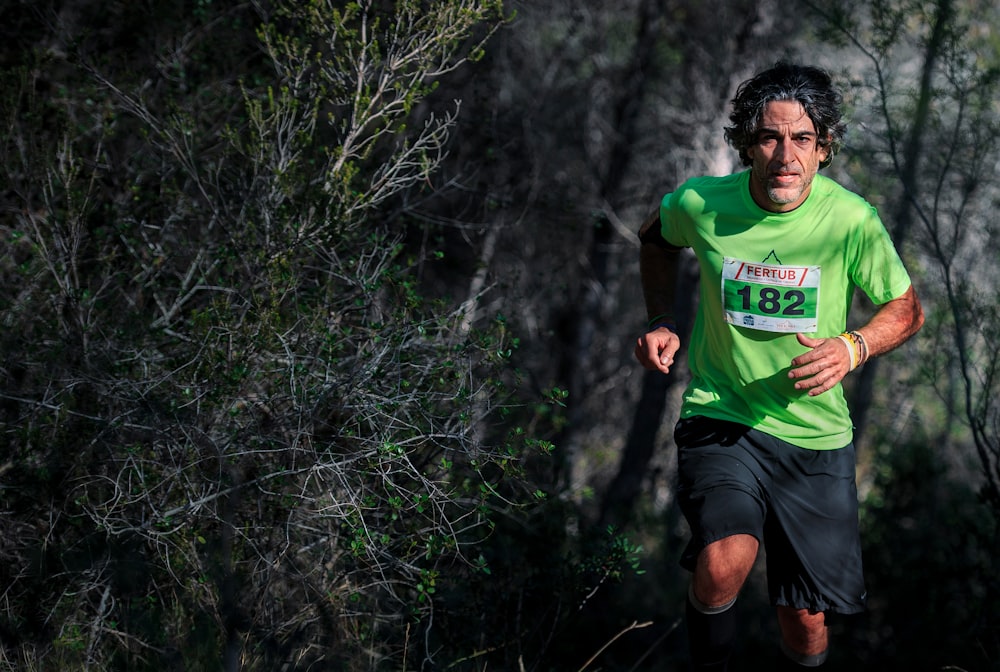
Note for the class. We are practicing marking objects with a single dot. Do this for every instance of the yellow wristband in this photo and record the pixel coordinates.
(851, 349)
(861, 345)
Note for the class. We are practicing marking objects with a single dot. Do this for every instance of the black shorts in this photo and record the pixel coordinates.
(802, 505)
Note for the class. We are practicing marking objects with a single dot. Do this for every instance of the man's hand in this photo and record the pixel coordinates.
(656, 349)
(825, 365)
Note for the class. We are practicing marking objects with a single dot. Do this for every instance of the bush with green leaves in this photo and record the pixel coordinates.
(236, 427)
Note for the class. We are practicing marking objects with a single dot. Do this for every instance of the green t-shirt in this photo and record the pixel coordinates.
(764, 277)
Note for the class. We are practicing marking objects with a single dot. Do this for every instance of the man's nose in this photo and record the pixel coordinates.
(783, 150)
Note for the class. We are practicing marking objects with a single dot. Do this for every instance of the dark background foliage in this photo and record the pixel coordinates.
(317, 324)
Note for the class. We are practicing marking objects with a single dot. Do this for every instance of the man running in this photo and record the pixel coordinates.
(765, 437)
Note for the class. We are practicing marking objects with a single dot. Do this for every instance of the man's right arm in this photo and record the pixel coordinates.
(658, 266)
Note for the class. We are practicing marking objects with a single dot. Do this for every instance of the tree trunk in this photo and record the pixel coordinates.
(903, 213)
(619, 500)
(584, 314)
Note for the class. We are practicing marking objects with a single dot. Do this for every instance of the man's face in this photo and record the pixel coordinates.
(785, 157)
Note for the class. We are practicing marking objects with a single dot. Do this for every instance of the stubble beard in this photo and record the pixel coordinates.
(786, 195)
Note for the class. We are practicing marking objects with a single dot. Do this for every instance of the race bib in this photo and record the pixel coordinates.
(770, 297)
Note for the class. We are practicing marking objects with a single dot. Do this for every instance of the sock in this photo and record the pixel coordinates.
(711, 634)
(792, 661)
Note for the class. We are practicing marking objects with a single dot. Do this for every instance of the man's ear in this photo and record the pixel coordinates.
(825, 149)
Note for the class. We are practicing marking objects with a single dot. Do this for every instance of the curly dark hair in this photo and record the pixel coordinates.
(811, 87)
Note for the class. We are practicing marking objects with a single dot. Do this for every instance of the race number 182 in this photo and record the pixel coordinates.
(770, 300)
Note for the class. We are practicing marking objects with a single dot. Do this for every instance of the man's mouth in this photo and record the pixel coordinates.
(784, 177)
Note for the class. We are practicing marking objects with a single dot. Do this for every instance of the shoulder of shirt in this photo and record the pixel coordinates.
(827, 188)
(708, 182)
(704, 187)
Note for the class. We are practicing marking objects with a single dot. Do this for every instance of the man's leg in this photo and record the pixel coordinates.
(803, 638)
(722, 569)
(813, 549)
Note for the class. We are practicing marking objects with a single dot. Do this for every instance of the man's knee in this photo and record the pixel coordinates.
(722, 569)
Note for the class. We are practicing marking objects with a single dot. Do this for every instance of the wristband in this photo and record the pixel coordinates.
(862, 345)
(662, 320)
(851, 350)
(856, 346)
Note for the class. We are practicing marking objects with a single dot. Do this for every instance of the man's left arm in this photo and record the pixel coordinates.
(830, 359)
(893, 324)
